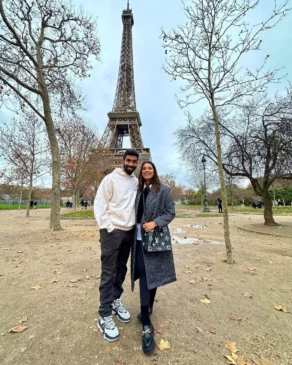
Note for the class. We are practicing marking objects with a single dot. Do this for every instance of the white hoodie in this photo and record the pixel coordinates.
(114, 204)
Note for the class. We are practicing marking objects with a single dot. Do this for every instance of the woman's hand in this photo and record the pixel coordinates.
(149, 226)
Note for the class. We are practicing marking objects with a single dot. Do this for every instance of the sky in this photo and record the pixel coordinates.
(155, 92)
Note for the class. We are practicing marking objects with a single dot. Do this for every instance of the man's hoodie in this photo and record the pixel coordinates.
(114, 204)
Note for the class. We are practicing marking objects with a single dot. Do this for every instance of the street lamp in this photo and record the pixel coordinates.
(206, 207)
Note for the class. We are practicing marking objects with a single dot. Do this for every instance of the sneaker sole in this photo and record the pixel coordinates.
(110, 339)
(121, 319)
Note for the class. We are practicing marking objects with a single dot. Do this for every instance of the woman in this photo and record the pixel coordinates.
(154, 211)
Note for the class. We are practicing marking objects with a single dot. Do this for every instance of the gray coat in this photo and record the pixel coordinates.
(159, 207)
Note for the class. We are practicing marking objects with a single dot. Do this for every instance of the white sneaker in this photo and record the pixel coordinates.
(121, 311)
(108, 327)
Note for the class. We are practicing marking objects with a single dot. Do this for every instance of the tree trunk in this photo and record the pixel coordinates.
(55, 224)
(20, 198)
(75, 198)
(29, 197)
(228, 246)
(268, 210)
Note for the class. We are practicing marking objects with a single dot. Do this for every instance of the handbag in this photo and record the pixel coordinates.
(157, 240)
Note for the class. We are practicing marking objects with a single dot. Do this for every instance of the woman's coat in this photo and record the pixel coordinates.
(159, 207)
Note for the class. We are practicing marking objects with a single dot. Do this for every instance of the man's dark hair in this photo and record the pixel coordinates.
(131, 152)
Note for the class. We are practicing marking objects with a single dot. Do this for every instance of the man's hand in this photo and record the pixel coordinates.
(149, 226)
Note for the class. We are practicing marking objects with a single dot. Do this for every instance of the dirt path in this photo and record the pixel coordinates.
(62, 315)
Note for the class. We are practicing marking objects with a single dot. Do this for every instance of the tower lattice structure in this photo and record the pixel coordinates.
(124, 119)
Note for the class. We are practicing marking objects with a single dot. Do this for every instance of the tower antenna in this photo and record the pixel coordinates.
(128, 5)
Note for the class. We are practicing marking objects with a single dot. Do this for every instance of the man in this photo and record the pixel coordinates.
(114, 210)
(219, 203)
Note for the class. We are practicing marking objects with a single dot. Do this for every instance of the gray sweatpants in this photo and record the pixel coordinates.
(115, 251)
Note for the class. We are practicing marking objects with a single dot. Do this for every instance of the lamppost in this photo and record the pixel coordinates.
(206, 207)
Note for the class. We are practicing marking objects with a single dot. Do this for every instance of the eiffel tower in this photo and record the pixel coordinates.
(124, 119)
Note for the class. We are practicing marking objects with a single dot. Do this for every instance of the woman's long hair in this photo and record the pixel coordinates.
(155, 181)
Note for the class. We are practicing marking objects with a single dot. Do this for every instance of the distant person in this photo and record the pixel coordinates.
(260, 204)
(31, 204)
(35, 205)
(82, 203)
(254, 205)
(85, 204)
(114, 210)
(219, 203)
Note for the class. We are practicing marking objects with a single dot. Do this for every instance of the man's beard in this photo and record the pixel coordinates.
(129, 171)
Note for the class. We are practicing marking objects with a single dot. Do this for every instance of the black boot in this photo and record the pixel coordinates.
(139, 316)
(148, 342)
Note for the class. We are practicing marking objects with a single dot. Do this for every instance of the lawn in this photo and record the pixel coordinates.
(15, 207)
(82, 214)
(182, 212)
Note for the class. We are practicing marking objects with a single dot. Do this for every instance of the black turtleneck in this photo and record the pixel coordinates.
(141, 204)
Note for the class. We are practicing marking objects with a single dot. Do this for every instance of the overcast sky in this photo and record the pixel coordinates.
(155, 92)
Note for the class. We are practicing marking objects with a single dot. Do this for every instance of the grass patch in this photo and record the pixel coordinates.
(22, 207)
(81, 214)
(236, 210)
(201, 215)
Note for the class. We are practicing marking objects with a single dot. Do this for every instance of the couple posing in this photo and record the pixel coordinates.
(129, 213)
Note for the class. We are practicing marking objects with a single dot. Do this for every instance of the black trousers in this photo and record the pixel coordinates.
(220, 208)
(146, 296)
(115, 251)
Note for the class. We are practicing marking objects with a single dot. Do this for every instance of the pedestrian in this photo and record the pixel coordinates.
(35, 205)
(114, 210)
(219, 203)
(85, 204)
(82, 203)
(151, 257)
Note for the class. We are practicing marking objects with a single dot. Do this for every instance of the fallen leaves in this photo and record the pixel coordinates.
(36, 287)
(160, 329)
(163, 345)
(23, 319)
(192, 281)
(119, 361)
(18, 329)
(54, 281)
(188, 271)
(247, 295)
(235, 359)
(205, 301)
(231, 346)
(280, 308)
(73, 281)
(232, 359)
(212, 330)
(235, 318)
(251, 269)
(57, 272)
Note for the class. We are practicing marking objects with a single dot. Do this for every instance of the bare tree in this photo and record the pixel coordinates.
(13, 175)
(76, 141)
(257, 144)
(262, 152)
(24, 146)
(206, 54)
(100, 163)
(44, 47)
